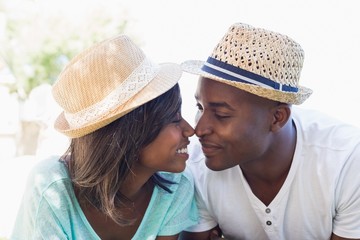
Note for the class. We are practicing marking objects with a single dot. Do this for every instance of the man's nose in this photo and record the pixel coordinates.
(202, 125)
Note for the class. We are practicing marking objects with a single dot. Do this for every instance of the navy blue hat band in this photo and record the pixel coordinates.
(230, 72)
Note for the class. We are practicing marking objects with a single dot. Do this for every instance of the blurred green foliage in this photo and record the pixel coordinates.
(37, 38)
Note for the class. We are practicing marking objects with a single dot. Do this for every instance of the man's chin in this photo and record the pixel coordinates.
(214, 164)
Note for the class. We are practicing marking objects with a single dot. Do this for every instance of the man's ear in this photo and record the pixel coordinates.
(281, 115)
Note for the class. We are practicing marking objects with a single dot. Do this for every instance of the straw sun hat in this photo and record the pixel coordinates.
(262, 62)
(107, 81)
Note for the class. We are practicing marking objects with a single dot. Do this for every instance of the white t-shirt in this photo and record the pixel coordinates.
(320, 195)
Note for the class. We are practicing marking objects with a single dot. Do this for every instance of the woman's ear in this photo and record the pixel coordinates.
(281, 115)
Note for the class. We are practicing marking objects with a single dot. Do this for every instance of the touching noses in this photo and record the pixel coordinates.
(187, 130)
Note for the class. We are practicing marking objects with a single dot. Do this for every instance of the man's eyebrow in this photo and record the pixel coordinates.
(218, 104)
(221, 105)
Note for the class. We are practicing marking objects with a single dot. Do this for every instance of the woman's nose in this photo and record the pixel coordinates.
(188, 130)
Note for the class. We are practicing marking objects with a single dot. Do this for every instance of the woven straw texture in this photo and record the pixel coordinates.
(265, 53)
(107, 81)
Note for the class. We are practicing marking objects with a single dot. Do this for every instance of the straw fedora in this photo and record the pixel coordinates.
(262, 62)
(107, 81)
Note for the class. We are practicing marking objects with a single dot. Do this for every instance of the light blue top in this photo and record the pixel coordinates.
(50, 210)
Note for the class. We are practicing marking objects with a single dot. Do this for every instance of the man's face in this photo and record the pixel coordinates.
(233, 126)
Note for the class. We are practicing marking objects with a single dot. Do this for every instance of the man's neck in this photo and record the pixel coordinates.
(266, 176)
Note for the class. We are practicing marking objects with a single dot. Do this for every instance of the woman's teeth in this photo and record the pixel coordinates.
(182, 150)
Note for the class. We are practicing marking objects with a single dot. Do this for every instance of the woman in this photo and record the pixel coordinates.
(123, 115)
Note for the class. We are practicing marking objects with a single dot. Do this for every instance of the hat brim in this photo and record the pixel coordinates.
(168, 75)
(194, 67)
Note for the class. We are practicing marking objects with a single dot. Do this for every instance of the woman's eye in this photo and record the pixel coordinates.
(178, 118)
(199, 107)
(177, 121)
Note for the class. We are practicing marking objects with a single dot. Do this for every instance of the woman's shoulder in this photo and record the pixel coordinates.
(49, 166)
(47, 172)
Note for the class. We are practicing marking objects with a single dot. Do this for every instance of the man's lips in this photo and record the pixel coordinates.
(210, 148)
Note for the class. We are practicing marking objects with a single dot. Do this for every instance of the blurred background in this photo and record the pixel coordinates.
(38, 37)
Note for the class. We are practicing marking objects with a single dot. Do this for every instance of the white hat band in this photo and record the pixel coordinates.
(137, 80)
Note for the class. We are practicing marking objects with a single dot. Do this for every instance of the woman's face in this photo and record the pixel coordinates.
(168, 152)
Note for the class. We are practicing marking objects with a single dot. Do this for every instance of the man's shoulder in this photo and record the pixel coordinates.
(318, 128)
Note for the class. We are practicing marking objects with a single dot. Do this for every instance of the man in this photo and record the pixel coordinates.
(268, 170)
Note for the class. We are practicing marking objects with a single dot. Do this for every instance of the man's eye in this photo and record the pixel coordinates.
(199, 107)
(222, 116)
